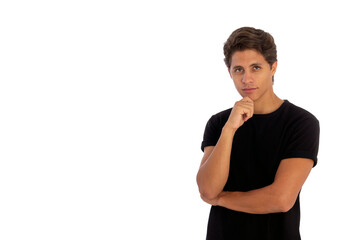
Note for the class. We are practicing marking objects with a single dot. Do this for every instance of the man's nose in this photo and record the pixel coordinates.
(247, 78)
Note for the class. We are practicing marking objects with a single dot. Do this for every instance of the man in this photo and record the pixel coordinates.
(258, 154)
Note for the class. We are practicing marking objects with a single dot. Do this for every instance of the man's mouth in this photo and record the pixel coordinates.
(249, 90)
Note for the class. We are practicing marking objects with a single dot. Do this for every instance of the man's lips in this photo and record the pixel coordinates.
(249, 90)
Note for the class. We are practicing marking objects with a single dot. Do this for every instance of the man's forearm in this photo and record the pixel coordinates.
(280, 196)
(260, 201)
(214, 172)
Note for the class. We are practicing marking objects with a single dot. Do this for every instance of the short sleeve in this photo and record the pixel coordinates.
(211, 133)
(303, 139)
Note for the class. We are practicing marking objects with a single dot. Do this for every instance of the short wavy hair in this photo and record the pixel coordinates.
(250, 38)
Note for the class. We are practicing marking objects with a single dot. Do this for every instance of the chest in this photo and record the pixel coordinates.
(256, 154)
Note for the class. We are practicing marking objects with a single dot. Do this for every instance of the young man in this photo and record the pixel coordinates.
(258, 154)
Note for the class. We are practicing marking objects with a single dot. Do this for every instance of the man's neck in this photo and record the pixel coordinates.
(268, 106)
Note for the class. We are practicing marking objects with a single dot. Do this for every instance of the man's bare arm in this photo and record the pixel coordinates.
(214, 168)
(277, 197)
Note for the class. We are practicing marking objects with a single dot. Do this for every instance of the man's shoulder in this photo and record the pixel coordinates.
(297, 113)
(223, 113)
(221, 116)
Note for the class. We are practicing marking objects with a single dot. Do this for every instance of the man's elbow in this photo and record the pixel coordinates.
(207, 190)
(285, 203)
(209, 195)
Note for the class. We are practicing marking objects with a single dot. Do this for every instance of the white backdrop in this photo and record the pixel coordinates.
(103, 106)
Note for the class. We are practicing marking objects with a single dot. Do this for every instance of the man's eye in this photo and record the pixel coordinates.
(257, 68)
(238, 70)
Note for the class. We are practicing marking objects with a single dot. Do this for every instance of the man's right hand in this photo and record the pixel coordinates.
(242, 111)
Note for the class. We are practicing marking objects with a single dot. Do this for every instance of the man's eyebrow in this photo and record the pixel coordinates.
(251, 65)
(237, 66)
(255, 64)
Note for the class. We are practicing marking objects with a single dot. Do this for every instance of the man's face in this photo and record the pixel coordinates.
(252, 75)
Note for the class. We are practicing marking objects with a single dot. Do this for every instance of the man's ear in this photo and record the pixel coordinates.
(229, 73)
(273, 68)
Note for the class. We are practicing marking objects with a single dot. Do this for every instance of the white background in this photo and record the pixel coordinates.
(103, 106)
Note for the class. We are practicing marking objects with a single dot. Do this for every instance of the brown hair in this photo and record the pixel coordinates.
(250, 38)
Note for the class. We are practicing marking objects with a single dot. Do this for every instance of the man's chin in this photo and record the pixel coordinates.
(249, 96)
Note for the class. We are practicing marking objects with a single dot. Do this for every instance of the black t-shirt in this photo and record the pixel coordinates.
(258, 147)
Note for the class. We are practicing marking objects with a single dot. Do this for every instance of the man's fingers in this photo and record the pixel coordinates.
(247, 113)
(242, 111)
(247, 110)
(247, 99)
